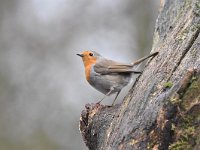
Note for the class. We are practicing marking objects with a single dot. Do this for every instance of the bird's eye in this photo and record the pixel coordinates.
(91, 54)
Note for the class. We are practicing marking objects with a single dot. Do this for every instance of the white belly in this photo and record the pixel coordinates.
(104, 83)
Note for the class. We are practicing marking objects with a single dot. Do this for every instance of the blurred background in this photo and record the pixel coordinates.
(42, 84)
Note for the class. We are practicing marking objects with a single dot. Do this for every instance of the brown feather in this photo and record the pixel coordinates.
(106, 66)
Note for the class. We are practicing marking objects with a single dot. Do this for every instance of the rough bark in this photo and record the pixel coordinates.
(162, 109)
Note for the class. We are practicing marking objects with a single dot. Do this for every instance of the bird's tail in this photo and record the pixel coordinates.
(144, 58)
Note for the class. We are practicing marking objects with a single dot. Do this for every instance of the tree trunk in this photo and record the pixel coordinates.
(162, 110)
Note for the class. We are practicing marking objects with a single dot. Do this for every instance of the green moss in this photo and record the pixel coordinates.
(175, 100)
(180, 145)
(168, 84)
(198, 138)
(186, 133)
(192, 95)
(186, 129)
(150, 145)
(194, 78)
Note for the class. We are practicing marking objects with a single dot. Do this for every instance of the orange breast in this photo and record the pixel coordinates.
(88, 66)
(87, 72)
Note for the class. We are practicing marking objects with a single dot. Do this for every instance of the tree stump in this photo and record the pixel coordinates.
(162, 109)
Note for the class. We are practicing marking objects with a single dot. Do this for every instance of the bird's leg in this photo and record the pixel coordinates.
(106, 95)
(116, 97)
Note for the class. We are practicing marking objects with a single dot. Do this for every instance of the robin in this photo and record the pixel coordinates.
(108, 76)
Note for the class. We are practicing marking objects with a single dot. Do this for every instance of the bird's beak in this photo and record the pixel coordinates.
(81, 55)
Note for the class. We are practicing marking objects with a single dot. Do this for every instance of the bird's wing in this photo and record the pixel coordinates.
(106, 66)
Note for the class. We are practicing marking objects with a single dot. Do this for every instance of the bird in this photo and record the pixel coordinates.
(108, 76)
